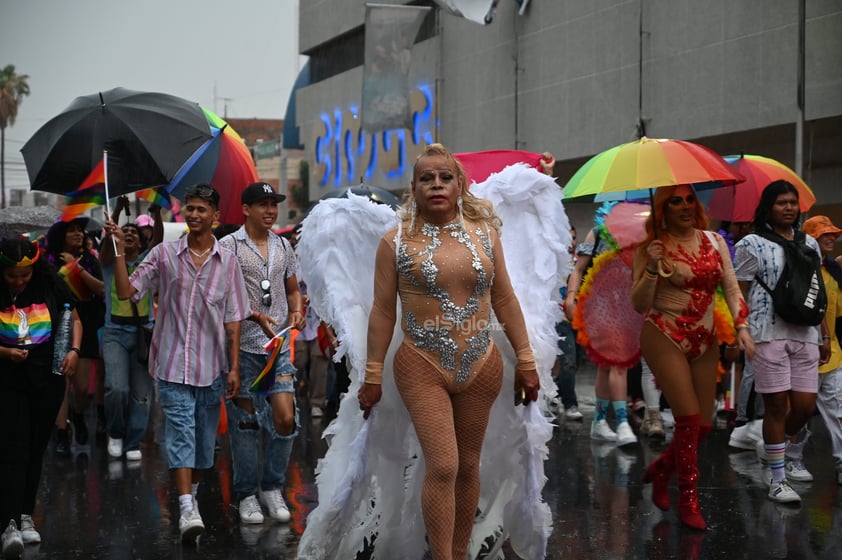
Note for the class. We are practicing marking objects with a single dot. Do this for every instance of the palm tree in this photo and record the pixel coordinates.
(12, 89)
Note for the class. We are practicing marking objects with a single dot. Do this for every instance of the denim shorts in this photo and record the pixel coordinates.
(191, 420)
(252, 364)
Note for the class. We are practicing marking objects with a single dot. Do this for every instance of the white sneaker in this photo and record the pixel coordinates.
(115, 447)
(796, 471)
(602, 431)
(134, 455)
(250, 511)
(625, 435)
(273, 501)
(190, 525)
(27, 530)
(316, 412)
(12, 541)
(573, 413)
(783, 493)
(760, 450)
(742, 437)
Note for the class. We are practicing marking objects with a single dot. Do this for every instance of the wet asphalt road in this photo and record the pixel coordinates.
(94, 507)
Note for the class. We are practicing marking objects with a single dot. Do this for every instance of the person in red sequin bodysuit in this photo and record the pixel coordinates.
(677, 270)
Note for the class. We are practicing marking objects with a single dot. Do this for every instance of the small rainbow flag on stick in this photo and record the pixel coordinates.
(89, 194)
(265, 381)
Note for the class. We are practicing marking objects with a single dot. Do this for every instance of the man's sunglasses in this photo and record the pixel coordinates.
(266, 298)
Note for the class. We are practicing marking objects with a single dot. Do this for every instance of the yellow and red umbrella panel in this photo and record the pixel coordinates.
(738, 203)
(225, 162)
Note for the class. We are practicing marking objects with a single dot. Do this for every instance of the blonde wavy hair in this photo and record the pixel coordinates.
(474, 209)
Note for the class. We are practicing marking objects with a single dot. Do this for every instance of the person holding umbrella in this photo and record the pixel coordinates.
(194, 354)
(677, 270)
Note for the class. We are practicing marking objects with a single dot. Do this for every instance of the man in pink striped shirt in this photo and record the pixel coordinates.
(194, 354)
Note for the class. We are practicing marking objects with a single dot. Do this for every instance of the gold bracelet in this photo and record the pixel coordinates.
(650, 275)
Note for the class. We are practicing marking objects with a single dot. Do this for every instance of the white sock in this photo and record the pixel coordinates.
(185, 503)
(194, 488)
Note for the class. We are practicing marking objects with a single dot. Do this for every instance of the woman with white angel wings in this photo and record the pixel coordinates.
(441, 463)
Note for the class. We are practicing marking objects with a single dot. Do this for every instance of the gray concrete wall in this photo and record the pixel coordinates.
(565, 77)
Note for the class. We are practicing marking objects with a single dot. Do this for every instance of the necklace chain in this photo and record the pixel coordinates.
(199, 255)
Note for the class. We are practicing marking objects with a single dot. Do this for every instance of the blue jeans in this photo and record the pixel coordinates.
(566, 378)
(191, 418)
(261, 446)
(128, 388)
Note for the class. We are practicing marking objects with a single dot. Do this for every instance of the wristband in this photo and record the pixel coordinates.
(374, 372)
(74, 349)
(650, 275)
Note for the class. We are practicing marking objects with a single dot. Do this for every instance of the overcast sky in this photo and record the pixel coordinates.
(240, 56)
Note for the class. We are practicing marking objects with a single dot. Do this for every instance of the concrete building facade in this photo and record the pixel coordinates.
(580, 76)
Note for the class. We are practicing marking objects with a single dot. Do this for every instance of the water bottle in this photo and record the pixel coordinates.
(63, 338)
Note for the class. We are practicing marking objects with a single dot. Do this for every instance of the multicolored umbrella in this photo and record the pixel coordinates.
(225, 162)
(649, 163)
(738, 203)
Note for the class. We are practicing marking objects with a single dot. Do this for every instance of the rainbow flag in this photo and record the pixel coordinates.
(90, 193)
(155, 196)
(22, 326)
(72, 276)
(264, 381)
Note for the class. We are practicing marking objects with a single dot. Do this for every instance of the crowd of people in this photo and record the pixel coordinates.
(185, 325)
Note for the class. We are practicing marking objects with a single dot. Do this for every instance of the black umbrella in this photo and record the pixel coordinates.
(148, 137)
(375, 194)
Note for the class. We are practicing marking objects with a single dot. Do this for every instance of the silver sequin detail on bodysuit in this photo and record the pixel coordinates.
(436, 338)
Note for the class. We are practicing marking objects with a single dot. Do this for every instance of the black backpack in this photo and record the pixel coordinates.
(799, 296)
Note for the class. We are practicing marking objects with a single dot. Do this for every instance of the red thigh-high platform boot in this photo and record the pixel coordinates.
(686, 441)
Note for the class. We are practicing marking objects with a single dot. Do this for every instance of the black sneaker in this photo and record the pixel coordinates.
(80, 428)
(63, 443)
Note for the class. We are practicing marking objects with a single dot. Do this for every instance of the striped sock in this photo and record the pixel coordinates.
(620, 411)
(775, 458)
(601, 409)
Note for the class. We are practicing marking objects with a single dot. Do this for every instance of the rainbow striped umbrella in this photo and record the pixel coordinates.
(737, 204)
(649, 163)
(223, 161)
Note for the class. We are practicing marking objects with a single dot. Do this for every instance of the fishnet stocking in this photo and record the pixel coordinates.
(451, 429)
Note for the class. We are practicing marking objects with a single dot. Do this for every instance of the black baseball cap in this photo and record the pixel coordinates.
(258, 191)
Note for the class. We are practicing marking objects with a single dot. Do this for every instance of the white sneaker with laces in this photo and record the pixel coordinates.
(27, 530)
(625, 435)
(134, 455)
(273, 501)
(190, 525)
(783, 493)
(602, 431)
(795, 470)
(12, 541)
(115, 447)
(250, 512)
